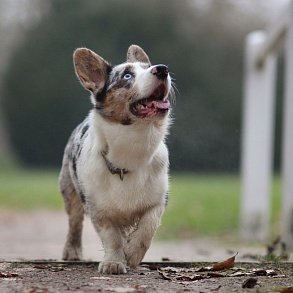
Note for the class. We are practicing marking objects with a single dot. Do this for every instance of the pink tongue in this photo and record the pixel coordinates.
(159, 104)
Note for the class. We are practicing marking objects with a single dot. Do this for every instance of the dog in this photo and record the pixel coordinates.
(115, 164)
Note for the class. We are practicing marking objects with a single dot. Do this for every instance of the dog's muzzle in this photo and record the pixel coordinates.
(160, 71)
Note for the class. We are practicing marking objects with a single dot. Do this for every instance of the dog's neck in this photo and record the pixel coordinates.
(129, 147)
(112, 169)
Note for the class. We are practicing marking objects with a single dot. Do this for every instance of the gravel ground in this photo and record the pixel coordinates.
(44, 277)
(31, 246)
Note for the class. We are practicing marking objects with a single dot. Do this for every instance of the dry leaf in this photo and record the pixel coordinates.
(8, 275)
(215, 275)
(249, 283)
(189, 277)
(165, 276)
(226, 264)
(178, 274)
(259, 272)
(262, 272)
(171, 269)
(271, 273)
(241, 274)
(56, 269)
(279, 276)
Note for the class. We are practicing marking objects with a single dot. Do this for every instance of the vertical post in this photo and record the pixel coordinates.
(257, 140)
(287, 152)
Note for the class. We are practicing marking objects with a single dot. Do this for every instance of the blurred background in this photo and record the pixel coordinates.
(202, 42)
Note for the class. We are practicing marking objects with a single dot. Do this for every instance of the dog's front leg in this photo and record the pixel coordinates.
(140, 240)
(114, 258)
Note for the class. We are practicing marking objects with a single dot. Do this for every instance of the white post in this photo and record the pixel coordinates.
(287, 155)
(257, 140)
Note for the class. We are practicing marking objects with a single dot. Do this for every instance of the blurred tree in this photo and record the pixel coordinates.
(15, 18)
(202, 45)
(5, 146)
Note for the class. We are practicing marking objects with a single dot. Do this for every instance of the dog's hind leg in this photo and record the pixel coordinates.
(73, 206)
(73, 246)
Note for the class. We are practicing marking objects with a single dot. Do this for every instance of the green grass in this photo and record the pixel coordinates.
(29, 189)
(198, 204)
(201, 205)
(208, 205)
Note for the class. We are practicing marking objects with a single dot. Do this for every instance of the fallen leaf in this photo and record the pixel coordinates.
(56, 269)
(259, 272)
(271, 273)
(262, 272)
(249, 283)
(189, 278)
(165, 276)
(8, 275)
(224, 265)
(279, 276)
(179, 275)
(171, 269)
(215, 275)
(241, 274)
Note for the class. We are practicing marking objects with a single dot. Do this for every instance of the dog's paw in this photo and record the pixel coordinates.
(112, 268)
(72, 253)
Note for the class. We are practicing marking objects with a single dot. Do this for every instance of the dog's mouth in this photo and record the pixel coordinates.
(155, 104)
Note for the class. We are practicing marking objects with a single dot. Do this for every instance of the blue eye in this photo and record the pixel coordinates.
(127, 76)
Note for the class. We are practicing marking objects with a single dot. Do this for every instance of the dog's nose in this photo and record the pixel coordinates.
(160, 71)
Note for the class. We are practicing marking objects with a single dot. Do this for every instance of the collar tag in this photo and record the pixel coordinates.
(114, 170)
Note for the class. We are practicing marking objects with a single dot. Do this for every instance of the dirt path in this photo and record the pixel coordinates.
(40, 236)
(44, 277)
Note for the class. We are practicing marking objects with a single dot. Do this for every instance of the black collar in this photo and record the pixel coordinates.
(114, 170)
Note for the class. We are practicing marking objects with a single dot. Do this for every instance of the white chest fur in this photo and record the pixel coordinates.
(138, 148)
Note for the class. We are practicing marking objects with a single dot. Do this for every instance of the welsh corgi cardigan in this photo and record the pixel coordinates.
(115, 165)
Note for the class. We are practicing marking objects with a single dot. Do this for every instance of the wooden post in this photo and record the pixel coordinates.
(287, 152)
(257, 140)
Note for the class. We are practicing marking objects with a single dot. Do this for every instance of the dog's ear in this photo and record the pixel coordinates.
(137, 54)
(91, 69)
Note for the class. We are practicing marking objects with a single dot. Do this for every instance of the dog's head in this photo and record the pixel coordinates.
(126, 93)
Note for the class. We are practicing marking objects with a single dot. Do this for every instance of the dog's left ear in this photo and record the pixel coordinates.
(137, 54)
(91, 69)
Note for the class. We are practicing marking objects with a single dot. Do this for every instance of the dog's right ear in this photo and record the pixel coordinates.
(91, 69)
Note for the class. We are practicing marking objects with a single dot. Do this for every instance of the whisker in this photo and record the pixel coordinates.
(172, 94)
